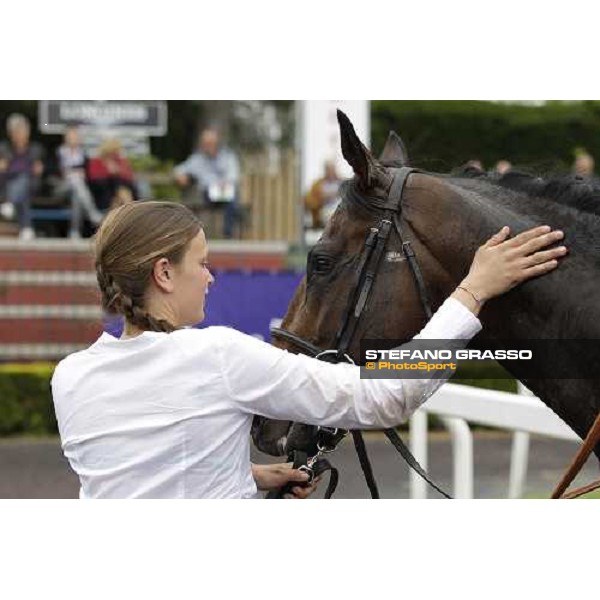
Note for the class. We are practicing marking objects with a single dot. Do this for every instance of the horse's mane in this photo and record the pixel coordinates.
(570, 190)
(568, 201)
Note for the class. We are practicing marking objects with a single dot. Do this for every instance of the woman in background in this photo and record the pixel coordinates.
(72, 161)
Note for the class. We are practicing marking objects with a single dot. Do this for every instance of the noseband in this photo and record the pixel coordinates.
(367, 271)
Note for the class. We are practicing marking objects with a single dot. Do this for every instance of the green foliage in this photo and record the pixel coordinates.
(441, 135)
(25, 399)
(160, 174)
(487, 375)
(151, 164)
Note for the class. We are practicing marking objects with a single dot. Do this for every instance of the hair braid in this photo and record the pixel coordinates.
(143, 319)
(115, 300)
(111, 292)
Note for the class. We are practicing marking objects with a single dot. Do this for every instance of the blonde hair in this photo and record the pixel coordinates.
(109, 146)
(129, 242)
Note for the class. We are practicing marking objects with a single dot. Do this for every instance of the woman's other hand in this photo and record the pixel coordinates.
(274, 477)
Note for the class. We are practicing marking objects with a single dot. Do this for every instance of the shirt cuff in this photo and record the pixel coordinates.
(452, 321)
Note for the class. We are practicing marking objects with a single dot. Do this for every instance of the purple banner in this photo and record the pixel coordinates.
(245, 300)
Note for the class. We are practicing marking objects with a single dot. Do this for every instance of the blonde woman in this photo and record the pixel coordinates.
(165, 411)
(110, 176)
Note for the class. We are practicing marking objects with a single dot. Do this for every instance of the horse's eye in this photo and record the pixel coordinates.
(321, 264)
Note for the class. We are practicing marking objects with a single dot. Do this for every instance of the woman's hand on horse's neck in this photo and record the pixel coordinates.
(501, 264)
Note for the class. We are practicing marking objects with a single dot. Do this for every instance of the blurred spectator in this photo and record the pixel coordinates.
(72, 161)
(21, 166)
(110, 177)
(323, 196)
(584, 166)
(475, 164)
(215, 171)
(502, 167)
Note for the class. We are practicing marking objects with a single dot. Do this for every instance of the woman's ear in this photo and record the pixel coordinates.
(162, 274)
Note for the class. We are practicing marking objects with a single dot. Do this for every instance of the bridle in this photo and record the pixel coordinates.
(370, 260)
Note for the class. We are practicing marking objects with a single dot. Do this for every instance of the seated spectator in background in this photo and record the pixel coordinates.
(323, 196)
(584, 167)
(110, 177)
(21, 166)
(474, 165)
(502, 167)
(215, 171)
(72, 161)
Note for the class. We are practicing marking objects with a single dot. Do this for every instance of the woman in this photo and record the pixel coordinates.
(110, 176)
(165, 411)
(72, 160)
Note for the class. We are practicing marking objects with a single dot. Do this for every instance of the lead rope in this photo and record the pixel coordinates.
(365, 463)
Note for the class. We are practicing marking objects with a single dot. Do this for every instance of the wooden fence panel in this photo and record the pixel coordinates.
(271, 197)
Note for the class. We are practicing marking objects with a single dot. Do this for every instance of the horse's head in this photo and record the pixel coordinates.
(331, 288)
(394, 309)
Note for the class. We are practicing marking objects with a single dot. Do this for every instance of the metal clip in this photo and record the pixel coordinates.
(322, 447)
(329, 352)
(307, 468)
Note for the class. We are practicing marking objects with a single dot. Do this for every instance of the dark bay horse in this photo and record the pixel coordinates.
(446, 218)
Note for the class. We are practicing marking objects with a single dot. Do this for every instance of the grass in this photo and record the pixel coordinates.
(595, 495)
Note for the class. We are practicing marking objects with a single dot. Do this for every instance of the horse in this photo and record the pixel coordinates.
(446, 217)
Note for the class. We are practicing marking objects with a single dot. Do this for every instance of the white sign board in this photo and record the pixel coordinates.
(319, 135)
(139, 117)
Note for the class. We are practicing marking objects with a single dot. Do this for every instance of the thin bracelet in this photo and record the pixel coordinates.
(479, 302)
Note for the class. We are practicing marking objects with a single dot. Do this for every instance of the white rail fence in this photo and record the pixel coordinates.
(457, 405)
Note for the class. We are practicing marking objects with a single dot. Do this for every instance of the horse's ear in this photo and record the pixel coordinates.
(394, 151)
(357, 155)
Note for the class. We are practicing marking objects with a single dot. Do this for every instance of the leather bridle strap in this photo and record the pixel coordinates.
(411, 258)
(365, 463)
(358, 301)
(374, 249)
(412, 462)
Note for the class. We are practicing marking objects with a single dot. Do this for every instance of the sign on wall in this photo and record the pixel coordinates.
(143, 117)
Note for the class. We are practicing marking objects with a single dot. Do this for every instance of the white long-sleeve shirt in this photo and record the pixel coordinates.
(169, 415)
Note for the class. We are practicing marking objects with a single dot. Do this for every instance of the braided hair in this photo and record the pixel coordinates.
(129, 242)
